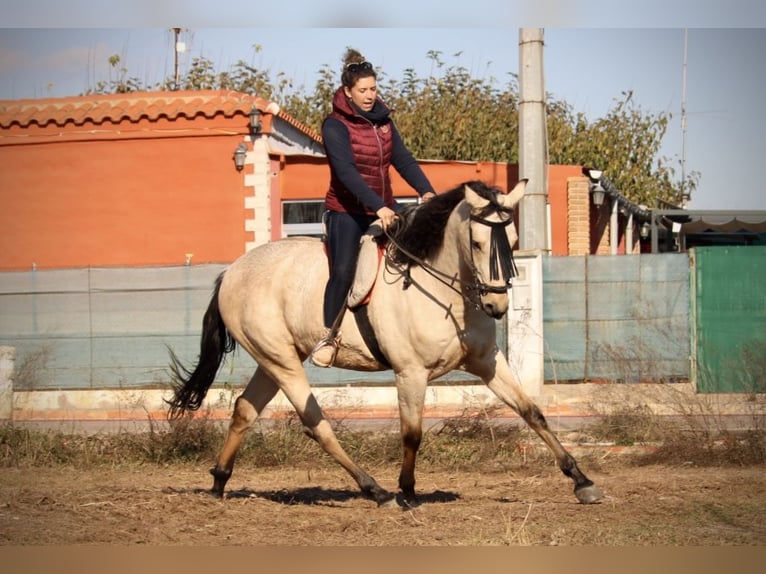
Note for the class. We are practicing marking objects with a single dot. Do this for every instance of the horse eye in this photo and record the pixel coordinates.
(475, 245)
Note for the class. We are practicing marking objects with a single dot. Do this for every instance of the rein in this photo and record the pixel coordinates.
(501, 261)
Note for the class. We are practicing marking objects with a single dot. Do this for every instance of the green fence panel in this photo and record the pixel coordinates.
(729, 318)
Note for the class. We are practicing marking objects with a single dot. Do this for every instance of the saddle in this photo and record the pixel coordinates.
(371, 248)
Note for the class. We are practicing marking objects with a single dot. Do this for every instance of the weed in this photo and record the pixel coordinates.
(31, 367)
(277, 443)
(628, 425)
(474, 440)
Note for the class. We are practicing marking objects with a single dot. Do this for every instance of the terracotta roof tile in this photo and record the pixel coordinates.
(133, 106)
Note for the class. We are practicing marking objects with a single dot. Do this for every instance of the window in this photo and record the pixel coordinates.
(305, 217)
(302, 218)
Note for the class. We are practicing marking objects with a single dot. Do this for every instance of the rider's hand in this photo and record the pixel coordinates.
(429, 195)
(387, 216)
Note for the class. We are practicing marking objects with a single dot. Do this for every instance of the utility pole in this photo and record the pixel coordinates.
(685, 196)
(533, 143)
(176, 48)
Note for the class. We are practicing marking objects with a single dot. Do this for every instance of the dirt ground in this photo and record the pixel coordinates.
(531, 505)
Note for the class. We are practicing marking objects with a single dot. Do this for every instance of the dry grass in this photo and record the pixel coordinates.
(481, 483)
(469, 441)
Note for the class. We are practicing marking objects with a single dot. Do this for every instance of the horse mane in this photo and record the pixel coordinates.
(419, 231)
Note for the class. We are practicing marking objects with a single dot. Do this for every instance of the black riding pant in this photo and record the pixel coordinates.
(344, 231)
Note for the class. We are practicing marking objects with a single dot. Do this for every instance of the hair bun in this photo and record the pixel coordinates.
(352, 56)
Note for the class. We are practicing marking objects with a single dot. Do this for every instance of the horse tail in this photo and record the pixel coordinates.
(191, 385)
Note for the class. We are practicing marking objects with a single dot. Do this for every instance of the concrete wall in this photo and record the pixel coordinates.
(7, 357)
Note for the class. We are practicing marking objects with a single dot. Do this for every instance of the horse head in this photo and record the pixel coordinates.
(478, 219)
(488, 247)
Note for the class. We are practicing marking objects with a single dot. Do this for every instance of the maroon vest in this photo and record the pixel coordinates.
(371, 145)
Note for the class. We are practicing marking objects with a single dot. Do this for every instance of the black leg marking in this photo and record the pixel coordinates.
(220, 478)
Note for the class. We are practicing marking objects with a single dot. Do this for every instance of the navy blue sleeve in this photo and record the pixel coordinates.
(337, 145)
(407, 166)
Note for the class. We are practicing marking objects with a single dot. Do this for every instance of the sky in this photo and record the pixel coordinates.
(594, 50)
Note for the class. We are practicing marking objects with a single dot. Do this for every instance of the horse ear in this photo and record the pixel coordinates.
(514, 197)
(473, 199)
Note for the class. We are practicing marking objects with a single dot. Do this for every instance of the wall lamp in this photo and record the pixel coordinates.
(644, 230)
(598, 192)
(239, 156)
(255, 120)
(596, 189)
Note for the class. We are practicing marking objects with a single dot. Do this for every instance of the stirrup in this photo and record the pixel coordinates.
(326, 350)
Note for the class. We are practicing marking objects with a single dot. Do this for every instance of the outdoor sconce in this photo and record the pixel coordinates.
(239, 156)
(598, 193)
(644, 231)
(255, 121)
(596, 189)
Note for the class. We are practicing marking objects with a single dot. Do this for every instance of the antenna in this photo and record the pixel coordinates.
(685, 196)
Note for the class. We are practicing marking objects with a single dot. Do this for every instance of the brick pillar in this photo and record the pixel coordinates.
(578, 216)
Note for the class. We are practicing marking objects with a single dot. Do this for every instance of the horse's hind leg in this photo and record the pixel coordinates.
(258, 393)
(318, 428)
(504, 385)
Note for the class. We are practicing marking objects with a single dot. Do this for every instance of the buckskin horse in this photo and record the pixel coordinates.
(443, 282)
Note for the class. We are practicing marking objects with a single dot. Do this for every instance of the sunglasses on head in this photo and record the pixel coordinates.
(358, 66)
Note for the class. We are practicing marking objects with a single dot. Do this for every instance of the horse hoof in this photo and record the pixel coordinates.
(409, 502)
(589, 494)
(387, 500)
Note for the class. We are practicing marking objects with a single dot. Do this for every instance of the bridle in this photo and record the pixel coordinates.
(500, 256)
(501, 262)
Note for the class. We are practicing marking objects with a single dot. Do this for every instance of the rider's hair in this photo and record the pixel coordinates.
(355, 67)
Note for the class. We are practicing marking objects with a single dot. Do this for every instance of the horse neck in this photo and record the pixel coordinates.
(449, 259)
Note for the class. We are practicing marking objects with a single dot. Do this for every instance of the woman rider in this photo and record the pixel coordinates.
(361, 143)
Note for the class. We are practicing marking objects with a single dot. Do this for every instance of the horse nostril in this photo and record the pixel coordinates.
(493, 310)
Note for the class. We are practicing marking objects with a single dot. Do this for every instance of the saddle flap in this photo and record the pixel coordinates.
(371, 249)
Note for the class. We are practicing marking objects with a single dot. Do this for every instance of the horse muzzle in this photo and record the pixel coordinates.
(494, 301)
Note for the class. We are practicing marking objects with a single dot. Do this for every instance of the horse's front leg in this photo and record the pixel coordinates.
(498, 376)
(411, 391)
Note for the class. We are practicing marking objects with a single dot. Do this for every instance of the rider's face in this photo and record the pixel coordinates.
(364, 93)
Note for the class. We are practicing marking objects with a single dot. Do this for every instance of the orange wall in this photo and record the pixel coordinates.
(120, 202)
(303, 177)
(148, 193)
(307, 178)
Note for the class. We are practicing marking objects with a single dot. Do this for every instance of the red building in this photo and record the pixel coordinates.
(146, 179)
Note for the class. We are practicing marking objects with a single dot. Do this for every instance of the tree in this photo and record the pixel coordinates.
(625, 143)
(121, 84)
(452, 115)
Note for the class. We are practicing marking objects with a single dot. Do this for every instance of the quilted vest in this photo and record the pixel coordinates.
(371, 145)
